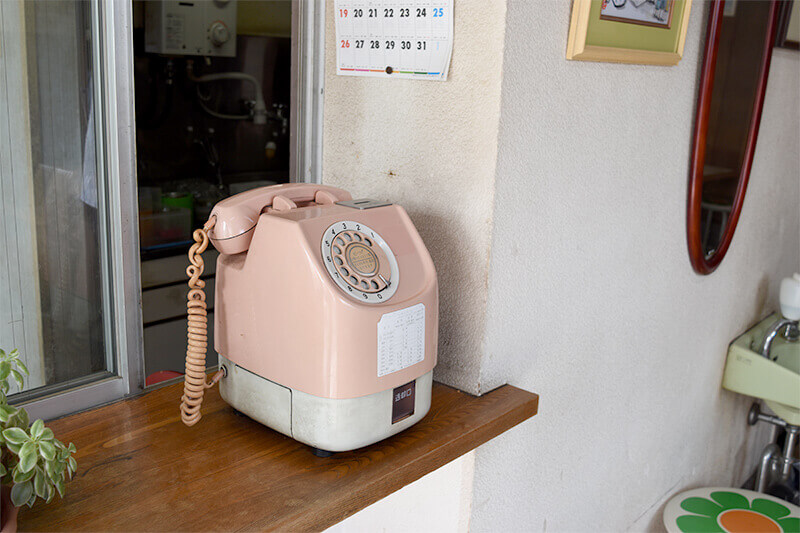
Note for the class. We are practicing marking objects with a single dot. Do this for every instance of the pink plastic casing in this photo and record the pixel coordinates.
(279, 314)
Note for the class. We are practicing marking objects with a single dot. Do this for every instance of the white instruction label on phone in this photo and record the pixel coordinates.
(401, 339)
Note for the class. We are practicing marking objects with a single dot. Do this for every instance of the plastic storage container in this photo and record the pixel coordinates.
(167, 226)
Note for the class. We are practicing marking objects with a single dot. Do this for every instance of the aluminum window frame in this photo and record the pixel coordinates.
(308, 88)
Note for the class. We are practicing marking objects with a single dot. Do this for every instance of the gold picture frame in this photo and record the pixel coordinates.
(592, 38)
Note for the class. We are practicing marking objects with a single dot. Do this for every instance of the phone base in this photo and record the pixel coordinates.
(333, 425)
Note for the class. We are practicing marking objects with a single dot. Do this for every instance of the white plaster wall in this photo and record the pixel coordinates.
(437, 502)
(592, 301)
(432, 148)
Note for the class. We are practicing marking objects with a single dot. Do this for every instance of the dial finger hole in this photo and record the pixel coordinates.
(367, 241)
(374, 285)
(345, 272)
(337, 250)
(353, 280)
(338, 260)
(348, 237)
(364, 285)
(357, 236)
(339, 241)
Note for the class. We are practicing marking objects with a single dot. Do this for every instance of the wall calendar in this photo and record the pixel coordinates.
(391, 39)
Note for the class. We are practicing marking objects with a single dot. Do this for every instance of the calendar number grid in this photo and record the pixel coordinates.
(387, 38)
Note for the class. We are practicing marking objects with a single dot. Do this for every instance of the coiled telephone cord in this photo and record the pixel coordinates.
(195, 384)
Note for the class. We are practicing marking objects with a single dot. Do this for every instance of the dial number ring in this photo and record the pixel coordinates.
(360, 261)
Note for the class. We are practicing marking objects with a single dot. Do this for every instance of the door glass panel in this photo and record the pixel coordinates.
(52, 282)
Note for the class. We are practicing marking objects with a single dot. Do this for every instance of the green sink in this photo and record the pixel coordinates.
(776, 382)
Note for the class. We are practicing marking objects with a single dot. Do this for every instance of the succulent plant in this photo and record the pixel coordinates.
(33, 461)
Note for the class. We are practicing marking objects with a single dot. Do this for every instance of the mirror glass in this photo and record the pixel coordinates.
(736, 75)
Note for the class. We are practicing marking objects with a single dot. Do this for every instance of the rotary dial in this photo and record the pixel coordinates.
(360, 261)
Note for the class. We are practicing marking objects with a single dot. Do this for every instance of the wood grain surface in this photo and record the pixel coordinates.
(141, 469)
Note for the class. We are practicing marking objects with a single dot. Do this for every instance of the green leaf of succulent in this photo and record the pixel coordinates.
(6, 412)
(31, 500)
(47, 435)
(73, 464)
(5, 369)
(2, 353)
(40, 484)
(18, 378)
(3, 470)
(72, 448)
(60, 487)
(50, 493)
(47, 450)
(28, 456)
(36, 428)
(13, 447)
(22, 367)
(51, 467)
(16, 435)
(14, 354)
(21, 493)
(22, 416)
(63, 454)
(20, 477)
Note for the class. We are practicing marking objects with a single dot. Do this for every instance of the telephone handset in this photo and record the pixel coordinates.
(237, 216)
(230, 229)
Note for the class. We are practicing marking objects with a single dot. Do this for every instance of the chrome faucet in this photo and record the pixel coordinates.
(791, 332)
(790, 311)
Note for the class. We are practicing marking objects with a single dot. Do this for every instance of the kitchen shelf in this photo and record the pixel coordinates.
(140, 468)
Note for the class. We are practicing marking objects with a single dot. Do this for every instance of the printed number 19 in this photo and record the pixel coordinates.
(343, 13)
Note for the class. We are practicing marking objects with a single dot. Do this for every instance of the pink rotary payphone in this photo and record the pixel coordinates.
(326, 315)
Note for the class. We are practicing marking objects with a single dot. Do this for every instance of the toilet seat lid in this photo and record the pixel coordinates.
(729, 510)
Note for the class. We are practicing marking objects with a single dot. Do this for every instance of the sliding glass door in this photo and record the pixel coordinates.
(69, 269)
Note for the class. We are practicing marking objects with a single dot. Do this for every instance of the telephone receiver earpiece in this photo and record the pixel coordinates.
(237, 216)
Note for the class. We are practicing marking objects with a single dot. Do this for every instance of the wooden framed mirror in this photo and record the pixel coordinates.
(733, 81)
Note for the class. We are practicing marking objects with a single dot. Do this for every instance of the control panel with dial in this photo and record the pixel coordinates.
(360, 261)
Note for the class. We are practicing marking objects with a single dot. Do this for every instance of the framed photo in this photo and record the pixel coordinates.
(656, 13)
(649, 32)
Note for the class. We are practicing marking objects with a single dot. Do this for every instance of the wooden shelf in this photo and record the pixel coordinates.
(140, 468)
